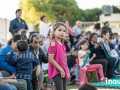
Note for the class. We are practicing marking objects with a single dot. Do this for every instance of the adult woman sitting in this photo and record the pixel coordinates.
(108, 65)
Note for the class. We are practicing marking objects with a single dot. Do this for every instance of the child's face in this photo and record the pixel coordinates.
(14, 46)
(84, 46)
(60, 32)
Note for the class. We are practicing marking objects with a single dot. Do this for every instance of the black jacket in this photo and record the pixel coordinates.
(41, 55)
(106, 28)
(98, 51)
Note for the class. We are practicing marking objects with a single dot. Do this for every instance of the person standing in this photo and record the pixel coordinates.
(106, 27)
(58, 67)
(77, 30)
(18, 25)
(43, 27)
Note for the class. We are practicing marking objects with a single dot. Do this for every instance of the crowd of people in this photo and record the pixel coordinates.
(54, 50)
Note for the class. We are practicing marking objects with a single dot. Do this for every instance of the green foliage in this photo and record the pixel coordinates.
(92, 14)
(59, 10)
(116, 9)
(54, 10)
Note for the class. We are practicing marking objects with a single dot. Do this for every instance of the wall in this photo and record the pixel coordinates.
(4, 29)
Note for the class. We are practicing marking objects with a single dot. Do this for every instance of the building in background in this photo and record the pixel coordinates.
(4, 30)
(114, 20)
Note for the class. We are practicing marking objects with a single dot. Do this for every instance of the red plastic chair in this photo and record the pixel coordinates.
(88, 71)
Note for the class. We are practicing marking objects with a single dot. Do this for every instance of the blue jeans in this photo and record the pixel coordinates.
(7, 87)
(29, 84)
(76, 72)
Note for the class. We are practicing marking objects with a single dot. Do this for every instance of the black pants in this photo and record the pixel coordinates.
(103, 62)
(71, 61)
(107, 64)
(60, 83)
(111, 66)
(71, 40)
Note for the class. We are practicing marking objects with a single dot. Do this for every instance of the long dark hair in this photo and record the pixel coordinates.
(91, 36)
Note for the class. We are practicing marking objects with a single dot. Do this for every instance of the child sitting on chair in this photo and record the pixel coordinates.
(83, 56)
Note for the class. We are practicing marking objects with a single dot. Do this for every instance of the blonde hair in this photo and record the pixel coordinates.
(55, 26)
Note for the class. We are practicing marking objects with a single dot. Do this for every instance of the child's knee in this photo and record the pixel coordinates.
(99, 65)
(84, 69)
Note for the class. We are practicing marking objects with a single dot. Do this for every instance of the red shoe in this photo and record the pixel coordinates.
(82, 83)
(104, 79)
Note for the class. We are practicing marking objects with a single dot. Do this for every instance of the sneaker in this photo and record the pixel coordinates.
(82, 83)
(116, 73)
(104, 79)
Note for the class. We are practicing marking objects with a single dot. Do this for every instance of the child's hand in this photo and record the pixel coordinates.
(62, 73)
(13, 76)
(94, 55)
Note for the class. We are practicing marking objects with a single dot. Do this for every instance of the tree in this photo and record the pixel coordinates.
(59, 10)
(29, 12)
(54, 10)
(92, 14)
(116, 9)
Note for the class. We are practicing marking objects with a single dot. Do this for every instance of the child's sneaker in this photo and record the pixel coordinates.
(104, 79)
(82, 83)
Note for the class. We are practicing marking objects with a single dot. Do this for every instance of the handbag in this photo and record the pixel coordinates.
(113, 53)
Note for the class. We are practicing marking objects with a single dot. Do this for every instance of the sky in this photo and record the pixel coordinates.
(88, 4)
(8, 7)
